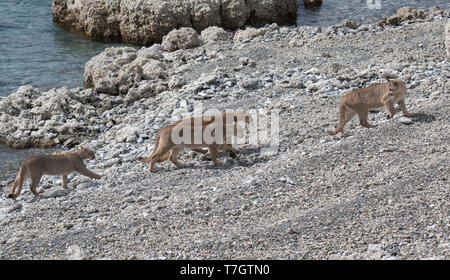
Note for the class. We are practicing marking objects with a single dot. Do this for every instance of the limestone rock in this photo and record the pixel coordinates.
(181, 39)
(148, 21)
(249, 33)
(214, 34)
(31, 117)
(128, 133)
(403, 14)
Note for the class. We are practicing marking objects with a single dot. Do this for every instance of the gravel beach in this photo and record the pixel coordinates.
(381, 193)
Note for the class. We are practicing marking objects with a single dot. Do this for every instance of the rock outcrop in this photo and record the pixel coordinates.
(125, 70)
(405, 14)
(33, 118)
(409, 14)
(152, 70)
(147, 21)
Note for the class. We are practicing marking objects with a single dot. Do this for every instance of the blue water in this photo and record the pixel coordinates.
(34, 50)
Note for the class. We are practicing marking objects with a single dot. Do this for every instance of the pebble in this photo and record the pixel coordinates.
(405, 120)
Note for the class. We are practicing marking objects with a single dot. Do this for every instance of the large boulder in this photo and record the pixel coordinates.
(403, 14)
(117, 70)
(110, 71)
(148, 21)
(214, 34)
(128, 71)
(181, 39)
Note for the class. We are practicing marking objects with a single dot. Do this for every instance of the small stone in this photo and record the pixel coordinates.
(435, 95)
(291, 231)
(405, 120)
(250, 83)
(158, 198)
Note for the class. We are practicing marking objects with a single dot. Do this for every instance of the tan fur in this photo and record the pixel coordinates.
(165, 148)
(358, 102)
(62, 164)
(227, 118)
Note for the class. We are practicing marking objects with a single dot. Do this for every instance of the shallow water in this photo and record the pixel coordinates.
(36, 51)
(364, 11)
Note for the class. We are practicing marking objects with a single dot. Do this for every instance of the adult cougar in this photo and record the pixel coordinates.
(212, 132)
(361, 100)
(37, 166)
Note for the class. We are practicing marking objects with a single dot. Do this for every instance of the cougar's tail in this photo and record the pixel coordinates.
(16, 187)
(143, 159)
(148, 159)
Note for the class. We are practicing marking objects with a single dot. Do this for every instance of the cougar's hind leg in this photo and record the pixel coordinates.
(347, 115)
(16, 187)
(157, 155)
(35, 179)
(173, 157)
(164, 157)
(363, 114)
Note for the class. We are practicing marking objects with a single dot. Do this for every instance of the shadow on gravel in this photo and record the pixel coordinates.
(252, 156)
(245, 158)
(423, 118)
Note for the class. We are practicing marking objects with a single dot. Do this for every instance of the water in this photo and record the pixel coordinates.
(34, 50)
(364, 11)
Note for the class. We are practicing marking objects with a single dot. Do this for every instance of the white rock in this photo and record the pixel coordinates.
(249, 33)
(214, 34)
(405, 120)
(250, 83)
(128, 133)
(183, 38)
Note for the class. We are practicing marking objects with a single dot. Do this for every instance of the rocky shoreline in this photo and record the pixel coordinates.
(380, 193)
